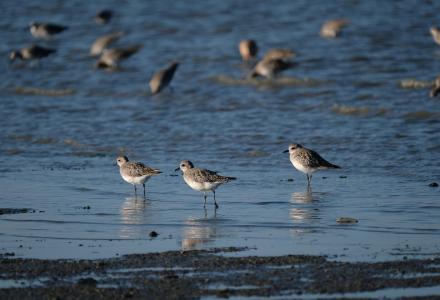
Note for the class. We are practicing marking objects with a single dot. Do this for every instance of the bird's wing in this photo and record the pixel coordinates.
(139, 169)
(318, 161)
(203, 175)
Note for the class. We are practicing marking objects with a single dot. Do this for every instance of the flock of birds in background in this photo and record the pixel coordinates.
(203, 180)
(273, 62)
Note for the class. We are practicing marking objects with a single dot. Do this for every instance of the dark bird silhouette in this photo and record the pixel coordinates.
(162, 78)
(31, 52)
(103, 17)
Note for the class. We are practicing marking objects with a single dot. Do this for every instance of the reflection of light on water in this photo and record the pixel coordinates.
(132, 212)
(198, 232)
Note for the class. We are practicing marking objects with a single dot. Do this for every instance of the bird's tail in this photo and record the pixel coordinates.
(157, 171)
(129, 51)
(332, 166)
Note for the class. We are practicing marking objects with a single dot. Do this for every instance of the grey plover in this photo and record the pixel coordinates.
(135, 172)
(162, 78)
(269, 68)
(110, 58)
(31, 52)
(248, 49)
(435, 88)
(333, 28)
(46, 30)
(308, 161)
(279, 53)
(103, 17)
(103, 42)
(435, 32)
(202, 180)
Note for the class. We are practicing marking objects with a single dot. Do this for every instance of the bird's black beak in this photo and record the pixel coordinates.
(285, 151)
(177, 169)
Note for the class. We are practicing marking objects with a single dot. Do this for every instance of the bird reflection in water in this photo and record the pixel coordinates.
(303, 211)
(198, 232)
(133, 211)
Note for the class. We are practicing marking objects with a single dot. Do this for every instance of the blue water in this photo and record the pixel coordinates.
(343, 99)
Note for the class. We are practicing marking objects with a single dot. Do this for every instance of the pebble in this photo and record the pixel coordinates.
(433, 184)
(153, 234)
(346, 220)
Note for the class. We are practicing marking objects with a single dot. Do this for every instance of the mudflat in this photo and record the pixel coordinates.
(216, 273)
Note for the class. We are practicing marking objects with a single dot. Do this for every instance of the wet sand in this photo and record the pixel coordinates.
(216, 273)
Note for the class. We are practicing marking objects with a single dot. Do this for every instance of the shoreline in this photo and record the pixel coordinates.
(207, 273)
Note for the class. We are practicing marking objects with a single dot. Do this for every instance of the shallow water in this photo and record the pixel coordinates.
(63, 123)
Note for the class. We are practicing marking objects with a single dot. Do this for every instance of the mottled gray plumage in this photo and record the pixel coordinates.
(203, 175)
(31, 52)
(202, 180)
(46, 30)
(103, 42)
(135, 172)
(307, 160)
(111, 57)
(138, 169)
(162, 78)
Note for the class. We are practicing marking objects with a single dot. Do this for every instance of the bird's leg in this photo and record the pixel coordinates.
(308, 180)
(135, 190)
(215, 202)
(204, 195)
(144, 189)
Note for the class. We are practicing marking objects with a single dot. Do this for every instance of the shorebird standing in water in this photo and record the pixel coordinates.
(202, 180)
(308, 161)
(110, 58)
(45, 30)
(31, 52)
(248, 49)
(103, 42)
(135, 172)
(332, 28)
(162, 78)
(269, 68)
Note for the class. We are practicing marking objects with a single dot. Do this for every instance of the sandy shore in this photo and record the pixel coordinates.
(194, 274)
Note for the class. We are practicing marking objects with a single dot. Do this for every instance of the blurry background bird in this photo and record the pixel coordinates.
(31, 52)
(103, 42)
(103, 17)
(110, 58)
(333, 28)
(46, 30)
(162, 78)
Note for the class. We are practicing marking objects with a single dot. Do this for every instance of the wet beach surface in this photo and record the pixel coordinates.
(209, 274)
(360, 100)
